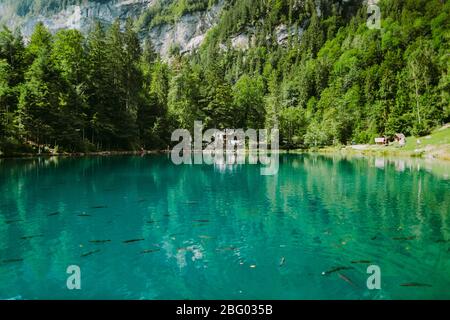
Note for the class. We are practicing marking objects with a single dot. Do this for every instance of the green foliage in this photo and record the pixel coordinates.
(332, 80)
(169, 11)
(81, 94)
(342, 82)
(248, 95)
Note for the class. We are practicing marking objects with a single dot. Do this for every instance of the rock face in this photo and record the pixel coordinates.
(246, 39)
(283, 33)
(186, 34)
(78, 16)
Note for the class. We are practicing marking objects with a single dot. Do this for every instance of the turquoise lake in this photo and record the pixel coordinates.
(143, 228)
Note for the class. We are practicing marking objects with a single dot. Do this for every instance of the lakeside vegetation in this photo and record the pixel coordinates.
(433, 146)
(169, 11)
(339, 83)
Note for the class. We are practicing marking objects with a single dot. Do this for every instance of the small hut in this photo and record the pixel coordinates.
(382, 141)
(401, 139)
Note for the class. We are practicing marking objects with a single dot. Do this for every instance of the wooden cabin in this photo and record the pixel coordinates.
(382, 141)
(401, 139)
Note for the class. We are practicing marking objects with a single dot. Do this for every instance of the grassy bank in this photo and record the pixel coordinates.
(434, 146)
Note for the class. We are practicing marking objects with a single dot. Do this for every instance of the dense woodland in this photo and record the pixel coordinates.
(338, 82)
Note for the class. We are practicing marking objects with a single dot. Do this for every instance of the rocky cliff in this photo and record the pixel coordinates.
(179, 25)
(186, 33)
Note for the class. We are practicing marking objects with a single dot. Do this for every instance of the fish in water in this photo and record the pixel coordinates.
(142, 200)
(227, 249)
(12, 260)
(283, 261)
(31, 237)
(201, 221)
(152, 221)
(336, 270)
(374, 237)
(361, 262)
(346, 279)
(99, 207)
(87, 254)
(317, 240)
(150, 251)
(404, 238)
(205, 237)
(199, 224)
(13, 221)
(53, 214)
(415, 284)
(175, 234)
(84, 215)
(99, 241)
(442, 241)
(133, 240)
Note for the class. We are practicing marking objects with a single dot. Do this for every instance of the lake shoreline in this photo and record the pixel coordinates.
(370, 151)
(82, 154)
(441, 153)
(434, 146)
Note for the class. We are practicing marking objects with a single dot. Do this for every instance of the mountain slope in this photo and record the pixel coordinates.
(313, 68)
(167, 23)
(173, 25)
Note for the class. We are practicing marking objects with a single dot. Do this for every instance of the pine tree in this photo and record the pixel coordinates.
(100, 89)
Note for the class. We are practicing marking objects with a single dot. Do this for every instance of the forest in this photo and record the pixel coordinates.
(336, 82)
